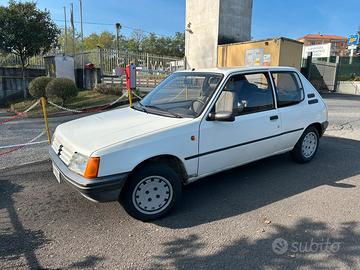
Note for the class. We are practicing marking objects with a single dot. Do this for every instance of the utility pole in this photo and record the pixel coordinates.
(73, 28)
(66, 36)
(118, 28)
(82, 44)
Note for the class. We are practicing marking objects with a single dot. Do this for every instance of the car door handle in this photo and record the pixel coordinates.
(274, 117)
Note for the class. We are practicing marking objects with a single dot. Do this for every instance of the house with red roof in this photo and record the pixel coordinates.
(338, 43)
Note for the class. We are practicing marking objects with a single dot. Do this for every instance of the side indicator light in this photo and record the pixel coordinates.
(92, 168)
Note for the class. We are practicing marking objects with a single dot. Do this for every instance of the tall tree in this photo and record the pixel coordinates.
(71, 43)
(169, 46)
(134, 43)
(105, 40)
(26, 31)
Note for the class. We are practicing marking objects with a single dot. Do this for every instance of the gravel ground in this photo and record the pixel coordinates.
(271, 214)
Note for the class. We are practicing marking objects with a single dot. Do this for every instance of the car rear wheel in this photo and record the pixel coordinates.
(307, 146)
(151, 192)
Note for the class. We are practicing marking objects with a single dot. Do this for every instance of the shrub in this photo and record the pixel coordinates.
(108, 89)
(37, 87)
(62, 88)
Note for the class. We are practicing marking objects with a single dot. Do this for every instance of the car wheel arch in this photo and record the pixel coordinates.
(170, 160)
(318, 128)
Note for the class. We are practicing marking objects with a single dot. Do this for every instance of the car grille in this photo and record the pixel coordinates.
(64, 153)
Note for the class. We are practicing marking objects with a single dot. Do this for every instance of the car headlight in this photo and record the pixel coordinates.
(78, 163)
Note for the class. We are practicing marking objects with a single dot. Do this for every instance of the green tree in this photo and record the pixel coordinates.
(134, 43)
(107, 40)
(178, 45)
(170, 46)
(72, 44)
(26, 31)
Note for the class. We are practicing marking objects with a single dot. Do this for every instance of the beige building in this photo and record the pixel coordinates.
(268, 52)
(338, 43)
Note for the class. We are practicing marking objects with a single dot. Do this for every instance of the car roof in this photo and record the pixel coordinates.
(227, 71)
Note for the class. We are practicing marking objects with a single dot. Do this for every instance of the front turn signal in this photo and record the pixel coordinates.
(92, 168)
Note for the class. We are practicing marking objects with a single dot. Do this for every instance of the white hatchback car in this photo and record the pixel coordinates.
(194, 124)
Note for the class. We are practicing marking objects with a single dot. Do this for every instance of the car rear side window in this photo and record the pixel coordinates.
(246, 93)
(289, 90)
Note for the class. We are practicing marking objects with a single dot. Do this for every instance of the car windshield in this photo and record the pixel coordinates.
(182, 94)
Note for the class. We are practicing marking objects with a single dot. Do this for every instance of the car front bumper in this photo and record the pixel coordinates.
(102, 189)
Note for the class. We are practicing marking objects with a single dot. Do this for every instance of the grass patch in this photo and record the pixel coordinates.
(84, 99)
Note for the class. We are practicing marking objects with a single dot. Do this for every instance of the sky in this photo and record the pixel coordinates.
(271, 18)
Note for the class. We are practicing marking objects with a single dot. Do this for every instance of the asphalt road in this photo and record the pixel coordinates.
(271, 214)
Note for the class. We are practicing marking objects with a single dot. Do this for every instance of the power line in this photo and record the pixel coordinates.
(112, 24)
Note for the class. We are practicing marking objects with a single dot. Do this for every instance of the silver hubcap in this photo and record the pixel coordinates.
(309, 144)
(152, 195)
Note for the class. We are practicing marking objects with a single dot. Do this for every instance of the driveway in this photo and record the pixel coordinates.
(271, 214)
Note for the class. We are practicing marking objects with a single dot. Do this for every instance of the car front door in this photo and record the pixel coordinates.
(254, 132)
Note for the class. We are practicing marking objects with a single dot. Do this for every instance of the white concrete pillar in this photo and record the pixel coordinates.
(210, 23)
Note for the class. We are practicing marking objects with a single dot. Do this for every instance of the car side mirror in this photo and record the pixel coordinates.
(221, 116)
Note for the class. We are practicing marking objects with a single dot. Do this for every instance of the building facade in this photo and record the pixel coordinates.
(211, 23)
(338, 43)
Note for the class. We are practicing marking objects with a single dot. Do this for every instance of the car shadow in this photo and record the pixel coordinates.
(255, 185)
(307, 244)
(15, 241)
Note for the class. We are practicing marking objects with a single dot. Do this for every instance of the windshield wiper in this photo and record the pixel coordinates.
(140, 108)
(162, 109)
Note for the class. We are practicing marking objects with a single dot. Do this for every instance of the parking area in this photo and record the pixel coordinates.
(271, 214)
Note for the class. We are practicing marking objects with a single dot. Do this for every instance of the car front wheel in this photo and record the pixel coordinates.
(307, 146)
(151, 192)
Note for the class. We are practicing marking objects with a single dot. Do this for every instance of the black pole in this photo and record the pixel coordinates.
(118, 28)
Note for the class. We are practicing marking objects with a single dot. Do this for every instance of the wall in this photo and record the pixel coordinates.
(11, 81)
(201, 43)
(235, 21)
(281, 51)
(213, 22)
(348, 87)
(291, 53)
(65, 67)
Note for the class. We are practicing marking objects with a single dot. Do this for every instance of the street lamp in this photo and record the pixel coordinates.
(118, 28)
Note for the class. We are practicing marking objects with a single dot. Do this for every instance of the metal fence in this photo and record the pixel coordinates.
(327, 73)
(12, 60)
(108, 59)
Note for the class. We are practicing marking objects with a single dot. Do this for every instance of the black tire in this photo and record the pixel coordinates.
(149, 182)
(298, 153)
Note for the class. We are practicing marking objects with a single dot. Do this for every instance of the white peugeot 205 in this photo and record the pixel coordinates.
(193, 124)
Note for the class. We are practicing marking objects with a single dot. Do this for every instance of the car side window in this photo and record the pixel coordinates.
(246, 93)
(289, 90)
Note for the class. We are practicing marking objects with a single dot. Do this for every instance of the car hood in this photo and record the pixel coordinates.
(88, 134)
